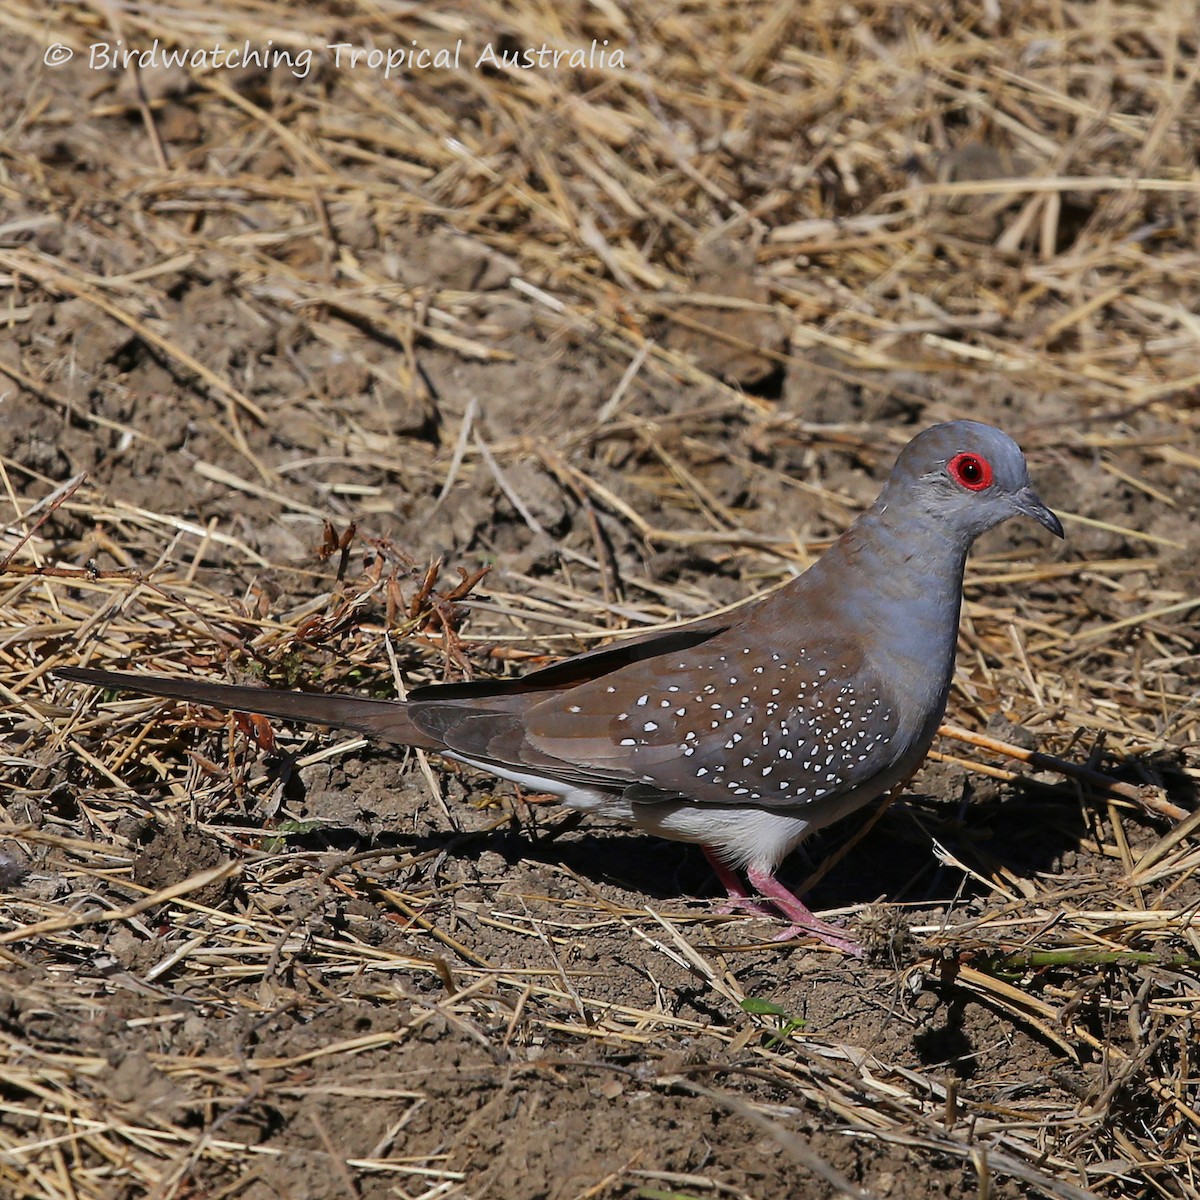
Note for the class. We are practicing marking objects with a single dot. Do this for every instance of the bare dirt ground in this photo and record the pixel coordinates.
(640, 339)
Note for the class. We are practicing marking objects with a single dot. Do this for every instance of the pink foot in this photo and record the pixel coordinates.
(739, 899)
(803, 921)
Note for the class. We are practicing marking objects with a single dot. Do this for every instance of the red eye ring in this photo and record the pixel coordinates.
(970, 471)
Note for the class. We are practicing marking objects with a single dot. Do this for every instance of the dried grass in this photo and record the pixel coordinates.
(952, 193)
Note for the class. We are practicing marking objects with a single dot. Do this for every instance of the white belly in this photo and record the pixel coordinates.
(742, 834)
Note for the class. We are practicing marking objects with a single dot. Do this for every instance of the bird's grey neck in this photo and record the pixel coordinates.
(907, 531)
(905, 566)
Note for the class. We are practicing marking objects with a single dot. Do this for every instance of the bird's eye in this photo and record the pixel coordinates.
(971, 471)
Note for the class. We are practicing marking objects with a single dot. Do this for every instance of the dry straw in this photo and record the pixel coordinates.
(937, 200)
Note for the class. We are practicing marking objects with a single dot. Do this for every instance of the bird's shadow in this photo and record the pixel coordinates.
(1026, 828)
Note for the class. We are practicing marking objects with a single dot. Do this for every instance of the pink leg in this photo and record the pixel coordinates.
(803, 921)
(739, 898)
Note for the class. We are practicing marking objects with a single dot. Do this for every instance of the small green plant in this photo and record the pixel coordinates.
(277, 842)
(786, 1025)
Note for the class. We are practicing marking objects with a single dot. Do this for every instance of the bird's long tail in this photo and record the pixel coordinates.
(387, 719)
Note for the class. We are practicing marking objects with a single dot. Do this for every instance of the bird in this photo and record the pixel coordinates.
(745, 731)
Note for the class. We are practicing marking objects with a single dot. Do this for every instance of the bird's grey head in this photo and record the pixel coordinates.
(964, 477)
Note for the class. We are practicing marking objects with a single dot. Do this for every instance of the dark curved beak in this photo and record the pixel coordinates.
(1030, 505)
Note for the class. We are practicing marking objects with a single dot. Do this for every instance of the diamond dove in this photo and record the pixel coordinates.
(744, 732)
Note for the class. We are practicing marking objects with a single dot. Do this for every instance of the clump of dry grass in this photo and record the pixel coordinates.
(863, 198)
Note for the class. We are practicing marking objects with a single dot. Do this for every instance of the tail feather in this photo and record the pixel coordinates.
(387, 719)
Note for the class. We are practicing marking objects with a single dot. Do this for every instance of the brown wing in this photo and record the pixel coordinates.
(485, 720)
(580, 668)
(729, 724)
